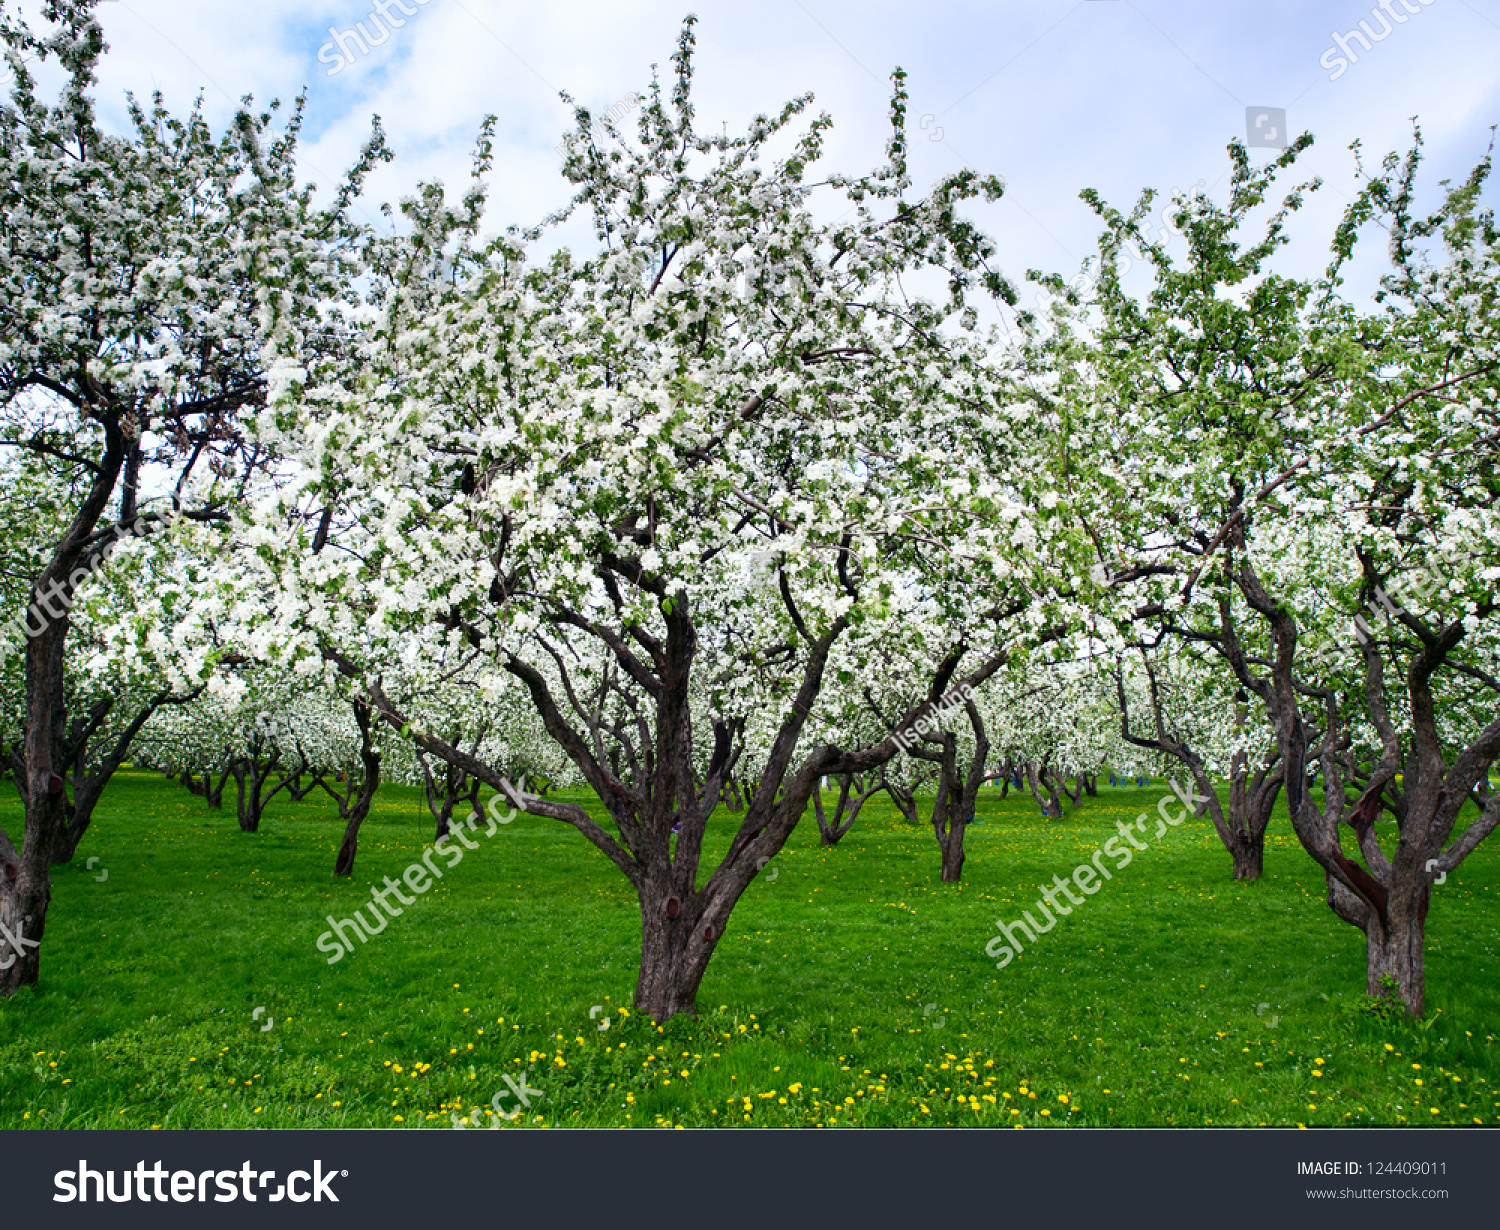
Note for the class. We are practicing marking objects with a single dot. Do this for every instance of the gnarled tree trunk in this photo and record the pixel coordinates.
(957, 795)
(847, 808)
(679, 933)
(1395, 943)
(25, 880)
(1043, 790)
(354, 803)
(251, 778)
(903, 796)
(88, 779)
(1387, 896)
(1252, 799)
(443, 792)
(208, 790)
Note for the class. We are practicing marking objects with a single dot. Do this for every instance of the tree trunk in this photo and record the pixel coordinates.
(1251, 801)
(444, 793)
(214, 795)
(829, 834)
(1394, 952)
(69, 835)
(952, 845)
(89, 781)
(1248, 854)
(678, 937)
(354, 813)
(298, 791)
(245, 811)
(904, 799)
(251, 778)
(1242, 829)
(343, 863)
(25, 890)
(1091, 785)
(249, 781)
(25, 878)
(957, 793)
(1038, 780)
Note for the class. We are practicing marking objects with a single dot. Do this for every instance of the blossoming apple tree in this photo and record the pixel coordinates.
(1273, 462)
(687, 463)
(135, 274)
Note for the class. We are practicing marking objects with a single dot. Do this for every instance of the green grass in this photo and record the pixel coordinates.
(851, 989)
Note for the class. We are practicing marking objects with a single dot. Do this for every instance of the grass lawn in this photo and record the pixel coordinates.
(850, 989)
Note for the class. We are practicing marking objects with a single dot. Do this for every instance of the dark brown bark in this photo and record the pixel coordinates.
(444, 791)
(359, 790)
(957, 793)
(1387, 898)
(1248, 855)
(645, 781)
(1252, 798)
(25, 881)
(678, 937)
(252, 780)
(1043, 788)
(208, 790)
(904, 797)
(854, 790)
(297, 790)
(213, 791)
(1395, 946)
(87, 777)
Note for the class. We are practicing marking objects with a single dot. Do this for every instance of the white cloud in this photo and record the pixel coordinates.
(1055, 96)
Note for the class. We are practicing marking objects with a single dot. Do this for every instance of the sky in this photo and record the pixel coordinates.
(1052, 95)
